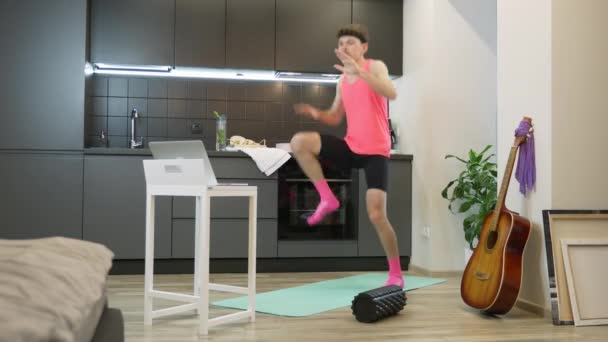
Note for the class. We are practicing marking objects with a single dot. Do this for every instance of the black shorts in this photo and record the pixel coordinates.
(375, 165)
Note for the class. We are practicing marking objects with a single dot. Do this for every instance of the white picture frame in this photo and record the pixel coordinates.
(585, 263)
(567, 224)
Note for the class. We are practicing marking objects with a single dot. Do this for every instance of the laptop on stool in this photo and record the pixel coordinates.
(188, 149)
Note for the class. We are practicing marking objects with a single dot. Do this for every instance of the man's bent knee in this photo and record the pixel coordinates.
(377, 217)
(305, 142)
(298, 143)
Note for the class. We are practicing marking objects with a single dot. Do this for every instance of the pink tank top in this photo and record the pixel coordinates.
(367, 129)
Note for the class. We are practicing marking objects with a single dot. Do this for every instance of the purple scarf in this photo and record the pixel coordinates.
(526, 165)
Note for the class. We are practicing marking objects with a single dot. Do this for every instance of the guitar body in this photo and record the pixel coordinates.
(492, 278)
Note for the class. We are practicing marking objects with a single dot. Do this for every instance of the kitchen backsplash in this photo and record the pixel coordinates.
(176, 109)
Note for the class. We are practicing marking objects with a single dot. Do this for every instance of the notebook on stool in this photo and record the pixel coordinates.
(189, 149)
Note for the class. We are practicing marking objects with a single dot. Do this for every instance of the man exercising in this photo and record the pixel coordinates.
(362, 92)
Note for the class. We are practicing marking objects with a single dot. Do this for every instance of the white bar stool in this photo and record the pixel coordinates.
(186, 177)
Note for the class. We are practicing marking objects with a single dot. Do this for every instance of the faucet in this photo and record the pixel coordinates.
(133, 143)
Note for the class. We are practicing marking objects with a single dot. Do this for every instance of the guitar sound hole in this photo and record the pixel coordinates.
(491, 240)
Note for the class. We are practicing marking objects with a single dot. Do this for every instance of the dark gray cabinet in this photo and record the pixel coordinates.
(399, 210)
(133, 31)
(285, 35)
(43, 47)
(306, 33)
(228, 238)
(235, 170)
(317, 249)
(250, 34)
(399, 203)
(234, 207)
(384, 20)
(41, 195)
(229, 215)
(200, 33)
(115, 207)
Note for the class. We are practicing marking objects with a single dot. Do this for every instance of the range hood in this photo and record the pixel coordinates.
(207, 73)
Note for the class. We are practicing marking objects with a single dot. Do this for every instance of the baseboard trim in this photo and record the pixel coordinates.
(532, 308)
(428, 273)
(263, 265)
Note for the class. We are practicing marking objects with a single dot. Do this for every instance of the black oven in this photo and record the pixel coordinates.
(298, 199)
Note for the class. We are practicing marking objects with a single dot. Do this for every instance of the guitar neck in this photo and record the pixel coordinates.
(506, 178)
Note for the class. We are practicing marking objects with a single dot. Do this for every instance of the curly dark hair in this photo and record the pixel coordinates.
(355, 30)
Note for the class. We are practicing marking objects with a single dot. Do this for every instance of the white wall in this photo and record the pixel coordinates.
(580, 104)
(550, 60)
(410, 112)
(561, 82)
(524, 88)
(446, 105)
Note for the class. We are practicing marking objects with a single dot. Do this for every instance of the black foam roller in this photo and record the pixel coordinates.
(376, 304)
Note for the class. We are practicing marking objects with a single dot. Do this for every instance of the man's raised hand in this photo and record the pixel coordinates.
(349, 65)
(307, 110)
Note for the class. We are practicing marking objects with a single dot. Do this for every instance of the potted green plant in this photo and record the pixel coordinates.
(473, 192)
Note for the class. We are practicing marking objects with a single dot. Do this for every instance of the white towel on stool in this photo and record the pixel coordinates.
(268, 159)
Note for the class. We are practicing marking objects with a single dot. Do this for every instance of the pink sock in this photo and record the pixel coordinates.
(327, 205)
(394, 273)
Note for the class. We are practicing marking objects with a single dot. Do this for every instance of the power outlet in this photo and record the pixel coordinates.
(426, 232)
(196, 128)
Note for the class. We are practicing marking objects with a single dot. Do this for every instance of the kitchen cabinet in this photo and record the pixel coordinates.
(235, 207)
(384, 20)
(139, 32)
(115, 207)
(317, 249)
(41, 195)
(284, 35)
(229, 216)
(42, 80)
(200, 33)
(306, 34)
(250, 34)
(399, 210)
(229, 238)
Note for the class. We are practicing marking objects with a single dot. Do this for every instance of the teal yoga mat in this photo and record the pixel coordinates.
(322, 296)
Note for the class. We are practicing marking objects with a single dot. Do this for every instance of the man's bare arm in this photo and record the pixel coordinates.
(377, 78)
(332, 116)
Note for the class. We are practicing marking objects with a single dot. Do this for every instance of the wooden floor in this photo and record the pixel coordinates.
(434, 313)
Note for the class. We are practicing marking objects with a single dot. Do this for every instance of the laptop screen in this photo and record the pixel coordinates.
(189, 149)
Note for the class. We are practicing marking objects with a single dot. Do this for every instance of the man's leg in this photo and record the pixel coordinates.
(306, 147)
(376, 209)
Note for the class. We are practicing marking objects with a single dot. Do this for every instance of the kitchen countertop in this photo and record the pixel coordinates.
(122, 151)
(146, 152)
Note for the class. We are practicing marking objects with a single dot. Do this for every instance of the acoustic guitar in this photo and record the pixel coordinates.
(492, 277)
